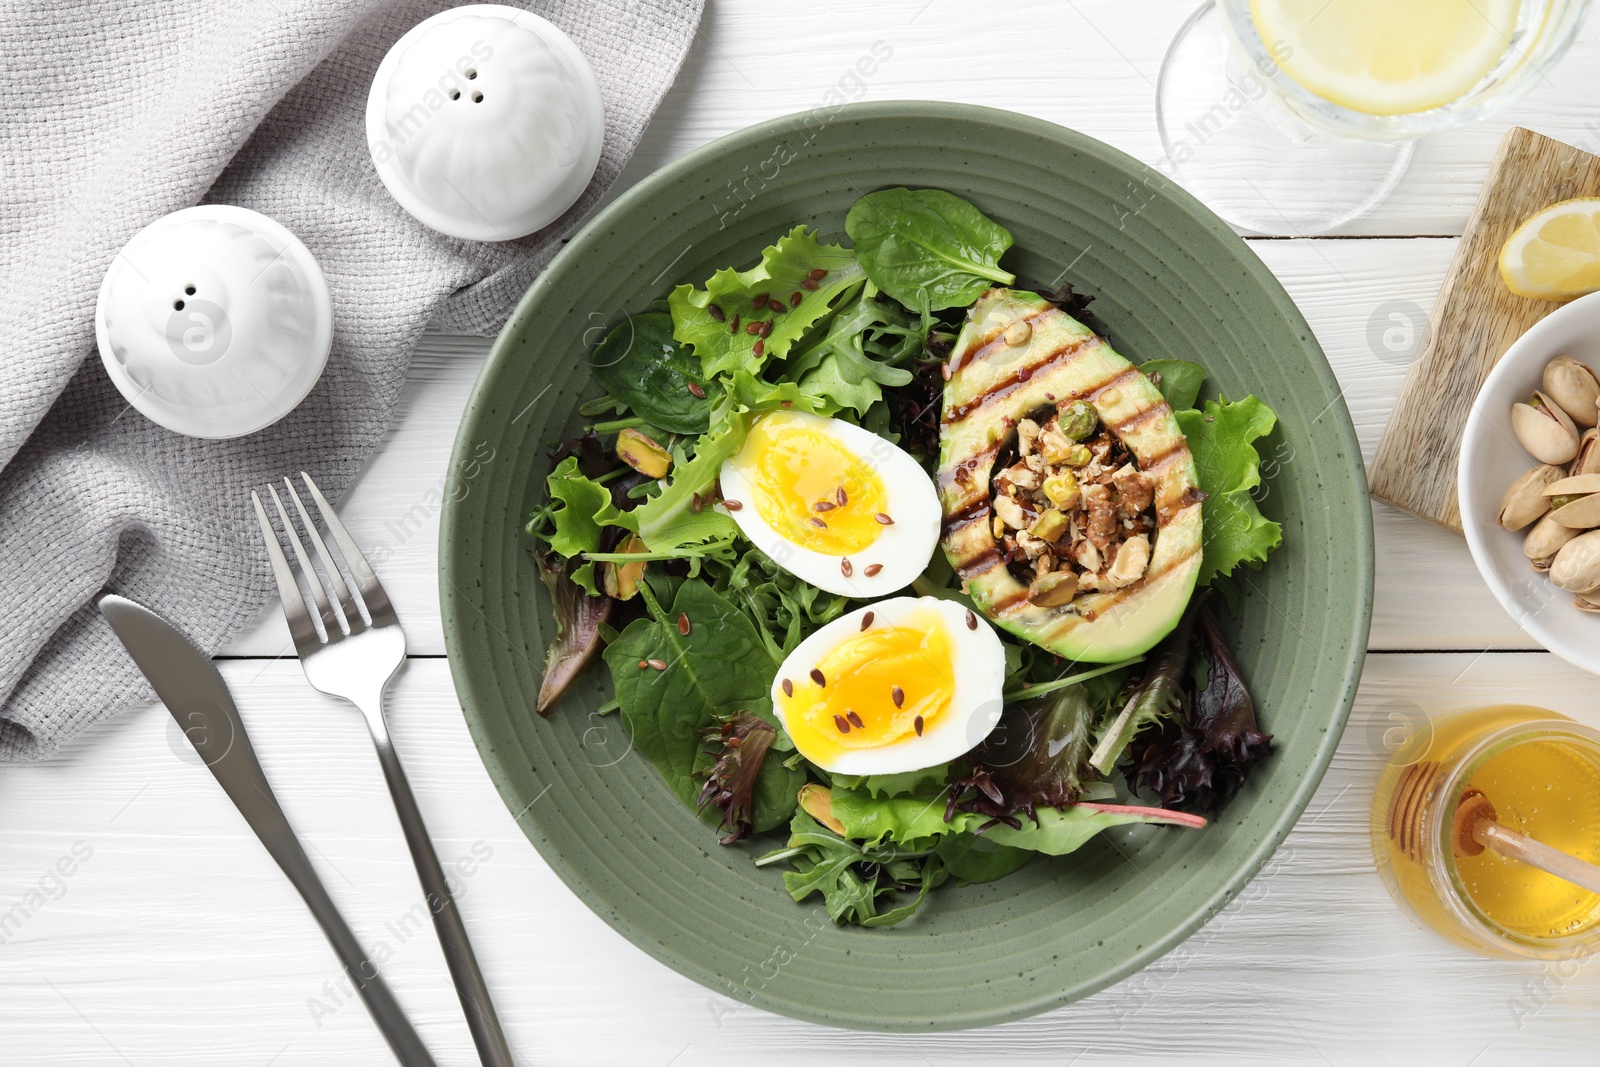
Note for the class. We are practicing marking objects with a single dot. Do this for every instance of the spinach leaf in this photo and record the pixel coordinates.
(719, 667)
(1178, 379)
(927, 248)
(640, 364)
(715, 321)
(980, 859)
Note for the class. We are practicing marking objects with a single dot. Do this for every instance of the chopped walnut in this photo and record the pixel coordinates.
(1135, 490)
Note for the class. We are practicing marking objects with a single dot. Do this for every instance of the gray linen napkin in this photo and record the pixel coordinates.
(115, 114)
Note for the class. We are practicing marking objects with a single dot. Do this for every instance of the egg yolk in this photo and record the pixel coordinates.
(882, 687)
(811, 489)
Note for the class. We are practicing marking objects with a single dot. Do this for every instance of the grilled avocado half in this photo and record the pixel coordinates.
(1002, 372)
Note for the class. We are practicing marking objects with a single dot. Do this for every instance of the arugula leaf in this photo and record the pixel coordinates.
(783, 607)
(927, 248)
(641, 365)
(852, 879)
(1222, 439)
(1178, 379)
(855, 354)
(725, 346)
(720, 666)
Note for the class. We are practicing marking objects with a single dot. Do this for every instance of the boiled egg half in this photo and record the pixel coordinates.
(902, 684)
(835, 505)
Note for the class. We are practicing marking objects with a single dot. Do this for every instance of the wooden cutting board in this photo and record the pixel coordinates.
(1474, 321)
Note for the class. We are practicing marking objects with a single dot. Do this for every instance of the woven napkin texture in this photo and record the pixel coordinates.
(117, 113)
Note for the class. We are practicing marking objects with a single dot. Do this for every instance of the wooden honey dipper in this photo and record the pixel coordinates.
(1475, 827)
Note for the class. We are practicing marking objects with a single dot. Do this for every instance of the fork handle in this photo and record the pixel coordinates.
(487, 1034)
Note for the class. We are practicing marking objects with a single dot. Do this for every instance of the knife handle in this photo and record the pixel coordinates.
(218, 735)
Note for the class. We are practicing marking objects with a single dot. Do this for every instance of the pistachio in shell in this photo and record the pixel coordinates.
(1576, 567)
(1544, 429)
(1544, 541)
(1586, 602)
(1575, 502)
(1574, 387)
(1525, 500)
(1587, 461)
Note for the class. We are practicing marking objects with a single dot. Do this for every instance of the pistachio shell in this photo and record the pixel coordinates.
(1544, 429)
(1525, 500)
(1582, 514)
(1576, 567)
(1575, 485)
(1544, 541)
(1587, 460)
(1573, 386)
(1586, 602)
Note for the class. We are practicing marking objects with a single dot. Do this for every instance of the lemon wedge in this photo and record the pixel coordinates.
(1555, 255)
(1387, 57)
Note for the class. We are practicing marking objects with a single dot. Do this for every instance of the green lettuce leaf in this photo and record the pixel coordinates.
(785, 269)
(1222, 438)
(1178, 379)
(584, 505)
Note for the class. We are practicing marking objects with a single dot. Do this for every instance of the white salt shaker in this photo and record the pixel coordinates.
(485, 122)
(214, 321)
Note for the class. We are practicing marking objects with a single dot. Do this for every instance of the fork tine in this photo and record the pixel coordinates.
(347, 604)
(331, 626)
(294, 605)
(372, 593)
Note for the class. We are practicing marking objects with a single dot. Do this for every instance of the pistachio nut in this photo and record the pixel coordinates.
(643, 454)
(1573, 386)
(1576, 567)
(1544, 429)
(1078, 420)
(1586, 602)
(1525, 500)
(620, 581)
(1575, 502)
(1587, 461)
(1544, 541)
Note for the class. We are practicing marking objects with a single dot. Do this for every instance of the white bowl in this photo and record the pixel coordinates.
(1491, 459)
(214, 321)
(485, 122)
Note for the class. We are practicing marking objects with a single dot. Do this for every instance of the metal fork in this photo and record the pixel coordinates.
(353, 654)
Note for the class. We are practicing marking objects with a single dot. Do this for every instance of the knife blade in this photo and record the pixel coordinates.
(189, 684)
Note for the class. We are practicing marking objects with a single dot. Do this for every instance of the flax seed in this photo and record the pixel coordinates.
(972, 620)
(659, 664)
(816, 676)
(733, 327)
(759, 300)
(695, 503)
(898, 695)
(872, 569)
(697, 390)
(683, 623)
(917, 725)
(716, 312)
(732, 505)
(818, 523)
(841, 496)
(866, 620)
(817, 273)
(883, 519)
(788, 688)
(842, 723)
(759, 348)
(845, 567)
(822, 505)
(753, 327)
(855, 720)
(794, 301)
(808, 283)
(643, 664)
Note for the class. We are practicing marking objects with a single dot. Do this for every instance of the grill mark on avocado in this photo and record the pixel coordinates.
(998, 337)
(1017, 378)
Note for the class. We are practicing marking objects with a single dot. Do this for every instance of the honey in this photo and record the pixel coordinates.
(1541, 772)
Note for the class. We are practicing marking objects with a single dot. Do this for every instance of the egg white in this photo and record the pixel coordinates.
(903, 549)
(978, 670)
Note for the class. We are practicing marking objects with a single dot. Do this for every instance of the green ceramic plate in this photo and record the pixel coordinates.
(1170, 281)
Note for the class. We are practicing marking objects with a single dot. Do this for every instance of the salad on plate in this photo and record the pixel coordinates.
(884, 549)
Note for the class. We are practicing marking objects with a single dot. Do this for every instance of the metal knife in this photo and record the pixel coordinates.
(188, 683)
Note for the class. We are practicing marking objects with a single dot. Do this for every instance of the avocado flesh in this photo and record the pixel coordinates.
(993, 385)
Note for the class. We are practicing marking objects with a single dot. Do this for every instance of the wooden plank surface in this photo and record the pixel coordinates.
(1475, 319)
(178, 943)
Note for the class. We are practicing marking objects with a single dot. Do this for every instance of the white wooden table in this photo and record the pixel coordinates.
(176, 941)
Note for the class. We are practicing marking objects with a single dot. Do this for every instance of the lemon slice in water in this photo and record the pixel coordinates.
(1387, 57)
(1555, 255)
